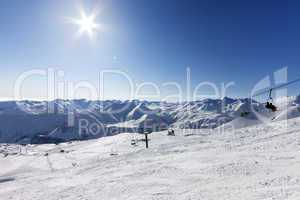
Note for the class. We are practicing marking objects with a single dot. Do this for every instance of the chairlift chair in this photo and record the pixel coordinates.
(269, 104)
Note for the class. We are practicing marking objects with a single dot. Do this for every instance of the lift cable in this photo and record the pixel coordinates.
(275, 88)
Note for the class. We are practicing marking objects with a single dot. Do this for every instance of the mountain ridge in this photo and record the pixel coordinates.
(27, 119)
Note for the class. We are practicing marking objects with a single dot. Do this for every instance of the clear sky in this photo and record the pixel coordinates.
(152, 40)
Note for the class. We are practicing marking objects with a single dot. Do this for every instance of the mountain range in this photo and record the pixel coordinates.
(48, 121)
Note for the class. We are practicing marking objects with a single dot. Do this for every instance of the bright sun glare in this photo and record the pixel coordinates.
(87, 24)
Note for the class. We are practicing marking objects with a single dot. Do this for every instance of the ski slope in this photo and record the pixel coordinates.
(260, 162)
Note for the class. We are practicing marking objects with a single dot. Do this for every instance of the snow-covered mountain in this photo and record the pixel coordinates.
(25, 121)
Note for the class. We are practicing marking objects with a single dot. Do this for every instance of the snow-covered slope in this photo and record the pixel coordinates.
(260, 162)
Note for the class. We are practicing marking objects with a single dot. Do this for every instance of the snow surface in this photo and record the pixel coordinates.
(259, 162)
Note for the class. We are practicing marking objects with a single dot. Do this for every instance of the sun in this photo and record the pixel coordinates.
(87, 24)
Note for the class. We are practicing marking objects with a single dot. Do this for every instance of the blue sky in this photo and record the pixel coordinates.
(152, 40)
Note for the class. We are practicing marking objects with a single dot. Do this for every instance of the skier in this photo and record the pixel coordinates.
(171, 132)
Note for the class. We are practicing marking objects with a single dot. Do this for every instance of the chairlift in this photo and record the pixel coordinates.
(269, 104)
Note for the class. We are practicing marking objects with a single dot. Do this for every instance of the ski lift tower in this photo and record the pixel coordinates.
(146, 130)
